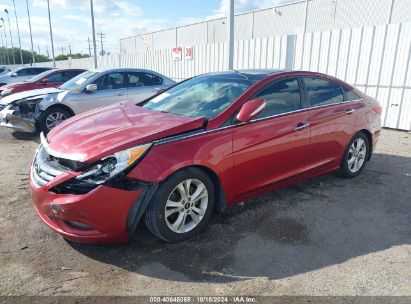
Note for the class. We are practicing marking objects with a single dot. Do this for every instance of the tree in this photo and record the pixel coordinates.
(28, 58)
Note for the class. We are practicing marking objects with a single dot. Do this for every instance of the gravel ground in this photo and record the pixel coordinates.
(327, 236)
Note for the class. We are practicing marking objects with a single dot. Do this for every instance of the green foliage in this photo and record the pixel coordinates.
(73, 56)
(6, 56)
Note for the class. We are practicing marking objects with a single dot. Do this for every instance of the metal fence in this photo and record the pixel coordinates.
(286, 19)
(375, 59)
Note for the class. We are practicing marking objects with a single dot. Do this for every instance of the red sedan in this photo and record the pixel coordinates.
(198, 147)
(48, 79)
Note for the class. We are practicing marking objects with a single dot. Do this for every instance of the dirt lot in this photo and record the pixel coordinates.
(327, 236)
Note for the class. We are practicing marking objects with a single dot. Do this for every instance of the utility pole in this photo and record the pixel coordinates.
(47, 50)
(51, 35)
(89, 46)
(11, 36)
(94, 34)
(230, 36)
(38, 47)
(69, 46)
(101, 35)
(5, 39)
(31, 36)
(62, 50)
(18, 32)
(3, 61)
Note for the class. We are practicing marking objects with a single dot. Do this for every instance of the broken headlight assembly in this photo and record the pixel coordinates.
(112, 165)
(110, 170)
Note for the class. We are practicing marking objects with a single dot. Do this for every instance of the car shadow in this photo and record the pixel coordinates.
(319, 223)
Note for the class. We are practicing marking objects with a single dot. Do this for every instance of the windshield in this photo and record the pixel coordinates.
(14, 71)
(77, 81)
(206, 95)
(40, 76)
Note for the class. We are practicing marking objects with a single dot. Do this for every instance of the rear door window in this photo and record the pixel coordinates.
(140, 79)
(322, 92)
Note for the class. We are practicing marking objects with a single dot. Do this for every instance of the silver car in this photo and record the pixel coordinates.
(21, 74)
(4, 70)
(47, 108)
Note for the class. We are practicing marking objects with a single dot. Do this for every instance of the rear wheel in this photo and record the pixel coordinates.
(52, 117)
(355, 156)
(182, 206)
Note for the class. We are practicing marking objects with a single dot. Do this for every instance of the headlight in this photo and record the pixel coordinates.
(112, 165)
(6, 92)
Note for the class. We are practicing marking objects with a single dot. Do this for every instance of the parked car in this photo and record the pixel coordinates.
(48, 79)
(46, 108)
(4, 70)
(198, 147)
(21, 74)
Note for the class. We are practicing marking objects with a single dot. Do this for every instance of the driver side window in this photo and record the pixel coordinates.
(110, 81)
(22, 72)
(281, 96)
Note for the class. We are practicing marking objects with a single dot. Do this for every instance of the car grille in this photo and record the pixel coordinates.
(45, 168)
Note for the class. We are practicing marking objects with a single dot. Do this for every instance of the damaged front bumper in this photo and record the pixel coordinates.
(20, 118)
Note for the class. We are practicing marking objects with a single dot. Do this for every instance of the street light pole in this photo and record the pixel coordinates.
(11, 36)
(18, 31)
(31, 36)
(230, 36)
(3, 57)
(5, 39)
(51, 34)
(94, 34)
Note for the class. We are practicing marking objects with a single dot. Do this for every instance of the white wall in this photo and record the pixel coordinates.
(376, 59)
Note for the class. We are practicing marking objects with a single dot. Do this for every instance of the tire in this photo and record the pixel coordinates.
(169, 198)
(355, 156)
(60, 114)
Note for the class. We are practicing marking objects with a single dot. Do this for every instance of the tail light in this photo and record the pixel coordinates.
(378, 109)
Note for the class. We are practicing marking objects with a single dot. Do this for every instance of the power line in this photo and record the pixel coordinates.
(102, 36)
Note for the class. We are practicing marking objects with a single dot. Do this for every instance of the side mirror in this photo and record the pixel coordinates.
(44, 81)
(90, 88)
(14, 75)
(251, 109)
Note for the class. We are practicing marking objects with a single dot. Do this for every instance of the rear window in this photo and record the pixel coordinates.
(350, 95)
(322, 92)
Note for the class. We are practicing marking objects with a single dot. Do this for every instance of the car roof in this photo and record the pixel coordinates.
(101, 70)
(251, 74)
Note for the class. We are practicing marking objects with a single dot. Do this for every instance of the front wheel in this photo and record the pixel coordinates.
(52, 117)
(355, 156)
(182, 206)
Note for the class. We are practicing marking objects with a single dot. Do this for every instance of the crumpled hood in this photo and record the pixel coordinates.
(98, 133)
(26, 94)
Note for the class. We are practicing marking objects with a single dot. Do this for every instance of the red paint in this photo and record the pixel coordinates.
(34, 85)
(249, 159)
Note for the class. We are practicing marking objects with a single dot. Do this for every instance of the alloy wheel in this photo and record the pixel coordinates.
(186, 205)
(356, 155)
(54, 119)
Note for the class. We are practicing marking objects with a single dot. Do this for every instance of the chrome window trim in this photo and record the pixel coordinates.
(334, 103)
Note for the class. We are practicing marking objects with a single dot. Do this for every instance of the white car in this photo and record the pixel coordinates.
(46, 108)
(21, 74)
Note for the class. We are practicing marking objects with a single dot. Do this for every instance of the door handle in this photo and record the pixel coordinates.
(349, 111)
(121, 94)
(301, 126)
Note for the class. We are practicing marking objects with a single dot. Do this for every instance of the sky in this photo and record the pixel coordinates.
(71, 22)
